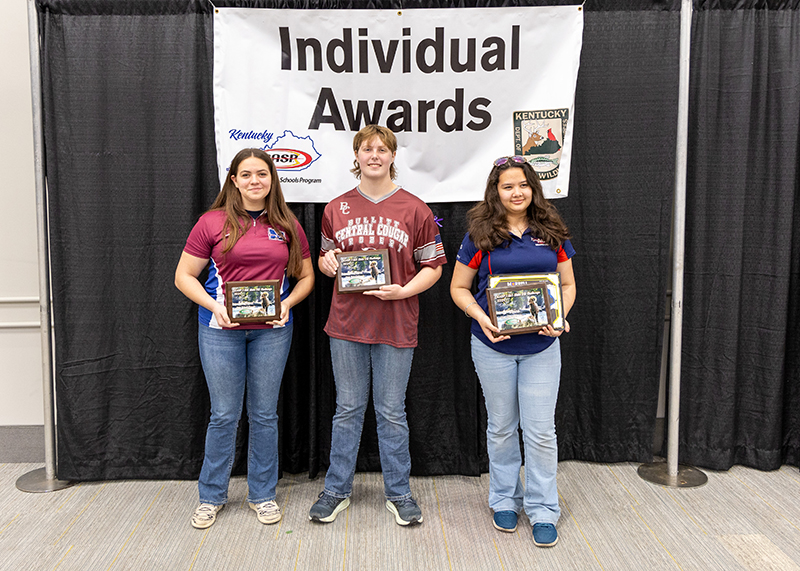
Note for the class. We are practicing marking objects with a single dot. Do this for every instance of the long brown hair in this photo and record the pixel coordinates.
(488, 226)
(278, 215)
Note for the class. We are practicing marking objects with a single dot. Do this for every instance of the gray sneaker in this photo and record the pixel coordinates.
(327, 507)
(405, 511)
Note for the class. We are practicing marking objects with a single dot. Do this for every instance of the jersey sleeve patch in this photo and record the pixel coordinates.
(430, 251)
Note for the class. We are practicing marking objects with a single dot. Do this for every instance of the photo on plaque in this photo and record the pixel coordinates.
(553, 281)
(255, 301)
(362, 271)
(523, 308)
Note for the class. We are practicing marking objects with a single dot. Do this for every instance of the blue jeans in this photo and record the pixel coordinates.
(232, 360)
(521, 391)
(390, 367)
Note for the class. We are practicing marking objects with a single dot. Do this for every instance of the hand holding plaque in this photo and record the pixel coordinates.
(525, 303)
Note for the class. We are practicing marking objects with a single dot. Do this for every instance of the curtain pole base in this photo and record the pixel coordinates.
(38, 482)
(687, 477)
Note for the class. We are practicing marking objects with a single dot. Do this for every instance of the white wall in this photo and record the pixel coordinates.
(20, 353)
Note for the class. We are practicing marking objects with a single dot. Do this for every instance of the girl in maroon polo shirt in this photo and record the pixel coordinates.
(249, 233)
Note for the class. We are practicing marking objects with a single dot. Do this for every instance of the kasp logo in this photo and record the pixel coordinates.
(289, 159)
(290, 152)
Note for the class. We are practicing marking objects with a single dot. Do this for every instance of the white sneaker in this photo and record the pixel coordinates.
(268, 512)
(205, 515)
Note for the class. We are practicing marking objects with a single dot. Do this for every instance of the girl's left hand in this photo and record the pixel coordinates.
(387, 292)
(285, 307)
(550, 332)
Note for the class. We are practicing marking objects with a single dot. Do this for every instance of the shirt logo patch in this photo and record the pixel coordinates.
(276, 235)
(344, 207)
(538, 241)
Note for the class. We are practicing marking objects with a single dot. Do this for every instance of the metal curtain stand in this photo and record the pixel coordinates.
(669, 473)
(42, 479)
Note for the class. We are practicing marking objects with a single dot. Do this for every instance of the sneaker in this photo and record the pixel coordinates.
(405, 511)
(268, 512)
(327, 507)
(505, 520)
(544, 535)
(205, 515)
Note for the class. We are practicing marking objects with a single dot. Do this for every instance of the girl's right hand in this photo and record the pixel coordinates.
(221, 313)
(328, 264)
(492, 333)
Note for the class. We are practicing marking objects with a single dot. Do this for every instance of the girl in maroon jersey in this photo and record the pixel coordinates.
(373, 333)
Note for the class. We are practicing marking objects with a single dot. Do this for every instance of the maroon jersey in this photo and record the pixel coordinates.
(401, 223)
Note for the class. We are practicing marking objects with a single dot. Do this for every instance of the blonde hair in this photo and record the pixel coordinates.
(367, 133)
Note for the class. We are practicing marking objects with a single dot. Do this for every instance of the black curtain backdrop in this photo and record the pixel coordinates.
(741, 358)
(129, 147)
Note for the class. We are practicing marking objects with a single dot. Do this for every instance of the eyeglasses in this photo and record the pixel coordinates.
(504, 160)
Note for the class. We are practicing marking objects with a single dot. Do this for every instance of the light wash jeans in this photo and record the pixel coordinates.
(390, 367)
(521, 391)
(235, 359)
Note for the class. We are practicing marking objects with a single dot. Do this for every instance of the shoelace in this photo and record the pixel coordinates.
(406, 502)
(329, 500)
(266, 508)
(204, 512)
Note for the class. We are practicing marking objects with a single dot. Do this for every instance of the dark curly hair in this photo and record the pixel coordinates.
(488, 226)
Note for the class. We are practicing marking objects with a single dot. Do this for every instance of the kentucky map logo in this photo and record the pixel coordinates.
(288, 151)
(539, 137)
(280, 236)
(292, 153)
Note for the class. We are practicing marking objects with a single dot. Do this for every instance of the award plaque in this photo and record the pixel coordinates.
(523, 308)
(362, 271)
(553, 282)
(255, 301)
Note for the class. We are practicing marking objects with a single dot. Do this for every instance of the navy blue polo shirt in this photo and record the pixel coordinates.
(525, 255)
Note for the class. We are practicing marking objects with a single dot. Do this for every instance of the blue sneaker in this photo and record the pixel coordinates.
(544, 535)
(405, 511)
(327, 507)
(505, 520)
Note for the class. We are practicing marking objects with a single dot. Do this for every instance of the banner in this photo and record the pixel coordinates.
(459, 88)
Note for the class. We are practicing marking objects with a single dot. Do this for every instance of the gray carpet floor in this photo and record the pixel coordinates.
(741, 520)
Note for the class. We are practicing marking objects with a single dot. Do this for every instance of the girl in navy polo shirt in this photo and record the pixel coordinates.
(249, 233)
(515, 230)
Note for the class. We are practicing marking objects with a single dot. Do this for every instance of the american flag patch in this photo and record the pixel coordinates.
(439, 246)
(430, 251)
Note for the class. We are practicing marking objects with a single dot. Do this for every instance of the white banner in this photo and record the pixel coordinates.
(459, 88)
